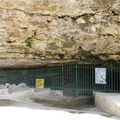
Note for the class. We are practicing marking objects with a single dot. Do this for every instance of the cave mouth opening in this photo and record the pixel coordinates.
(71, 79)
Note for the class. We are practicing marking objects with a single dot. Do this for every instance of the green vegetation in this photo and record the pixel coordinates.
(29, 42)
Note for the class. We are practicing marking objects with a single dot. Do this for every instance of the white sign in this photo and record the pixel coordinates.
(100, 75)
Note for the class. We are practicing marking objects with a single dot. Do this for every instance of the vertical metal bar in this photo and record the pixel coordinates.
(83, 79)
(118, 80)
(85, 68)
(97, 86)
(62, 77)
(1, 82)
(114, 80)
(104, 86)
(94, 74)
(25, 76)
(76, 80)
(8, 76)
(52, 78)
(116, 83)
(89, 82)
(71, 80)
(66, 76)
(92, 79)
(69, 76)
(111, 79)
(1, 78)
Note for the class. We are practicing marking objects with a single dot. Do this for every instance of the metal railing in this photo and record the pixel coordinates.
(73, 79)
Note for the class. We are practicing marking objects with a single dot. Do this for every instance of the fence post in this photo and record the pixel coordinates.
(76, 80)
(62, 77)
(111, 77)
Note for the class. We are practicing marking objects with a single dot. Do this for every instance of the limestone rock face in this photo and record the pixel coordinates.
(36, 32)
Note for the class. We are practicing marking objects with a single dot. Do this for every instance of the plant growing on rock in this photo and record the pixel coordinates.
(29, 42)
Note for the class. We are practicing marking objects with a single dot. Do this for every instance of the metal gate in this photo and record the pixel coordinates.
(69, 80)
(79, 79)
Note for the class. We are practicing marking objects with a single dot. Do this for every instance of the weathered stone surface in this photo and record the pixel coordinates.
(34, 32)
(109, 102)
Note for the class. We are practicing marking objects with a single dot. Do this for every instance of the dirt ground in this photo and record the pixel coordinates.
(27, 104)
(49, 110)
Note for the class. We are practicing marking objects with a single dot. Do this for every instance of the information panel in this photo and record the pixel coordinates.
(100, 75)
(39, 83)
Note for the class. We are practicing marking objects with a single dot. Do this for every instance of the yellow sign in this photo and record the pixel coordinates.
(39, 83)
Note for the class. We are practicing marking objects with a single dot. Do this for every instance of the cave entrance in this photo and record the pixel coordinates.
(71, 79)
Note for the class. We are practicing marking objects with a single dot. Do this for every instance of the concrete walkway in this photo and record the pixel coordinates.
(109, 102)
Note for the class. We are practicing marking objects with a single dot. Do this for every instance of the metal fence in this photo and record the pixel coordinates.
(73, 79)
